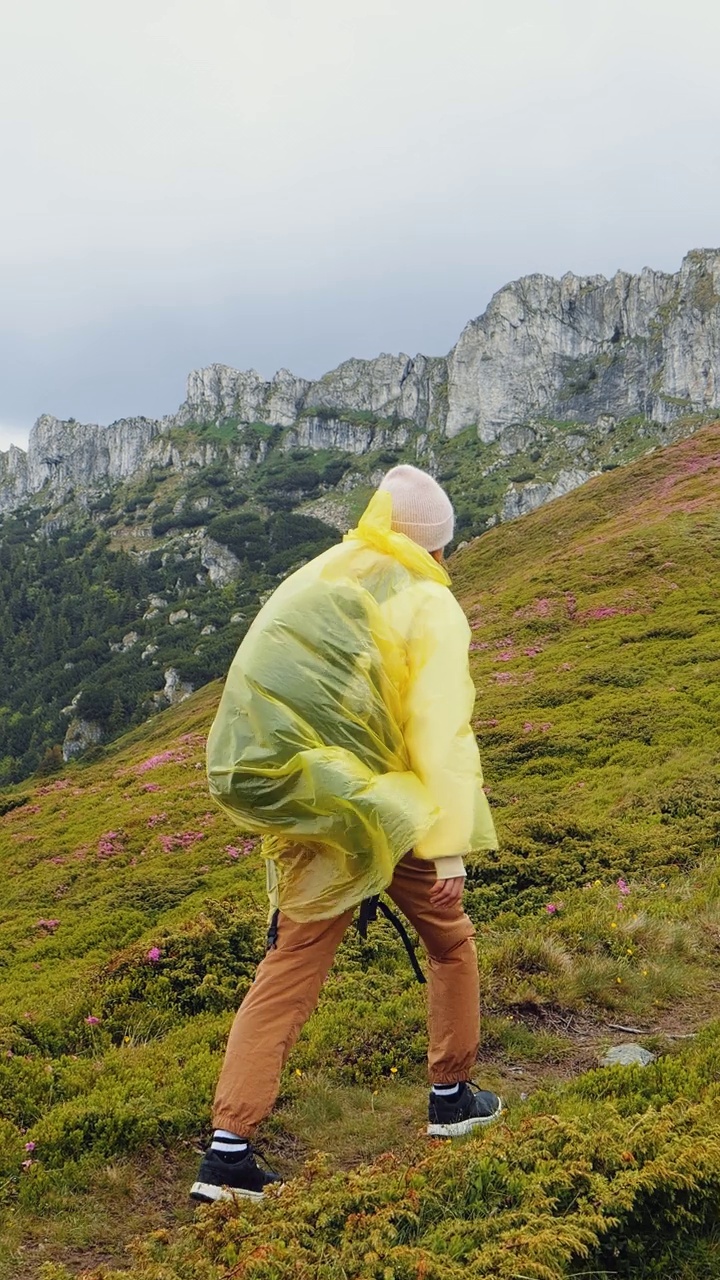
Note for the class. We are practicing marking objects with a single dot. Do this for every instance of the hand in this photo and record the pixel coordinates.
(447, 893)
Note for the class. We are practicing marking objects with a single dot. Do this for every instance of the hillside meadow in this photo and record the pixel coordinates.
(133, 915)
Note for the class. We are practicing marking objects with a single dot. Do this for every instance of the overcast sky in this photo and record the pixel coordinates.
(271, 183)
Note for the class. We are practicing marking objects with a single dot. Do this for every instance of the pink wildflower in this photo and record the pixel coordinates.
(151, 786)
(109, 844)
(29, 1146)
(91, 1020)
(507, 655)
(623, 886)
(533, 651)
(232, 852)
(26, 1164)
(536, 609)
(61, 784)
(528, 726)
(602, 611)
(154, 954)
(551, 908)
(182, 840)
(503, 677)
(163, 757)
(48, 925)
(156, 818)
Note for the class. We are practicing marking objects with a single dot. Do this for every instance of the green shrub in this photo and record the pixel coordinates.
(608, 1175)
(204, 966)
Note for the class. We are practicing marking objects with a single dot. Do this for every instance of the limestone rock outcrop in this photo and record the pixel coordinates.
(68, 455)
(579, 349)
(80, 735)
(176, 690)
(222, 566)
(519, 500)
(220, 392)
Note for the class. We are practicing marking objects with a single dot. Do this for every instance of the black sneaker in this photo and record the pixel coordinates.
(220, 1179)
(451, 1117)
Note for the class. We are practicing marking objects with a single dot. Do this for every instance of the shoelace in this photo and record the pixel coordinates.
(265, 1161)
(472, 1085)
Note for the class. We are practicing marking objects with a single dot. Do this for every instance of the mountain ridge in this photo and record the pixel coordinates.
(583, 349)
(206, 511)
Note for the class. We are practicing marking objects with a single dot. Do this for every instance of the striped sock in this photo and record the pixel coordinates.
(447, 1090)
(229, 1146)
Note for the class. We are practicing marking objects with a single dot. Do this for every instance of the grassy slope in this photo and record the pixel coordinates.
(159, 518)
(596, 651)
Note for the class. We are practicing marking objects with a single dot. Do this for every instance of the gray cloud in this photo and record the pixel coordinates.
(291, 184)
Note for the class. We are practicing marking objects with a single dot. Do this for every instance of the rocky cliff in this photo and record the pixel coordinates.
(579, 349)
(574, 349)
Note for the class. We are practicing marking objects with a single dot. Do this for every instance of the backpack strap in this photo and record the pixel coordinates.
(272, 933)
(368, 912)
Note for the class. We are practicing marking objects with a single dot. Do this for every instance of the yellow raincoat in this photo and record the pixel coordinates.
(343, 733)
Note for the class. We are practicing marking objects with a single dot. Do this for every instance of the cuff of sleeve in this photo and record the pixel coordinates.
(448, 868)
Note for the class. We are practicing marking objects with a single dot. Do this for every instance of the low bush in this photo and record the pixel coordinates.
(611, 1174)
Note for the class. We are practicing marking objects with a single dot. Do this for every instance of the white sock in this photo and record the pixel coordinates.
(227, 1143)
(446, 1090)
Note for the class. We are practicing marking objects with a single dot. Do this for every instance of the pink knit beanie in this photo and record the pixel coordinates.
(420, 508)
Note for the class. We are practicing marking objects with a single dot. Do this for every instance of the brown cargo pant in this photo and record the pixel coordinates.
(288, 983)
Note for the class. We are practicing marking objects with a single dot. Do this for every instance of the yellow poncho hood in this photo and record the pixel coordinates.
(343, 732)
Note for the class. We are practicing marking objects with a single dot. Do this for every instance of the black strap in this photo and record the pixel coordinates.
(272, 933)
(368, 912)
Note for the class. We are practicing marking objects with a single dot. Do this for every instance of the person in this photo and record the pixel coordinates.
(343, 737)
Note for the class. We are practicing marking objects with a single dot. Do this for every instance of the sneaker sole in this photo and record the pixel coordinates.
(208, 1192)
(463, 1126)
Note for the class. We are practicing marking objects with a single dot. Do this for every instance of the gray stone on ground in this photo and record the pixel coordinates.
(627, 1055)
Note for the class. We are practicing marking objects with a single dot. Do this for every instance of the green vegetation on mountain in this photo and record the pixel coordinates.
(133, 916)
(76, 580)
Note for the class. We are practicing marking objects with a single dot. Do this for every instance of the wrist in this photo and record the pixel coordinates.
(449, 868)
